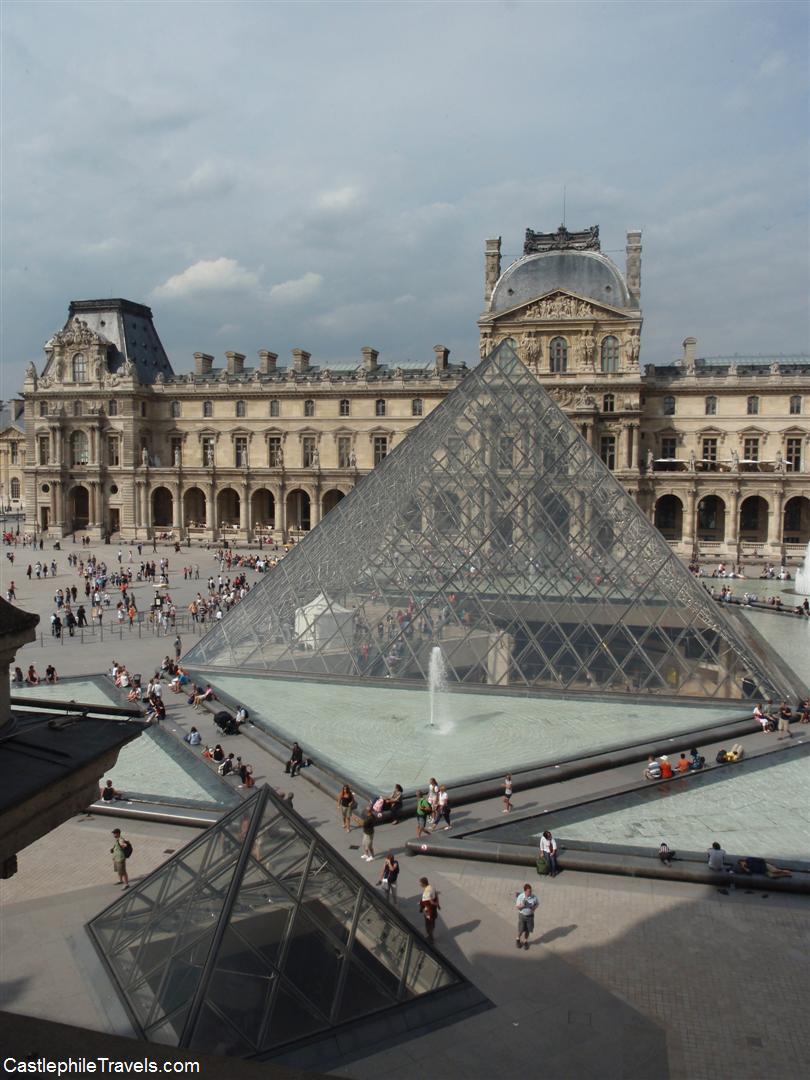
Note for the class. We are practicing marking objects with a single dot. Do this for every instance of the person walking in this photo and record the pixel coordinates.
(178, 647)
(443, 807)
(429, 906)
(120, 851)
(526, 903)
(346, 803)
(422, 811)
(388, 878)
(507, 793)
(548, 848)
(368, 837)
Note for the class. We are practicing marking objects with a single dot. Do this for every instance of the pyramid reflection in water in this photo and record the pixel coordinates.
(257, 940)
(494, 530)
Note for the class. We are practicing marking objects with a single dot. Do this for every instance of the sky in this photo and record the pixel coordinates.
(324, 176)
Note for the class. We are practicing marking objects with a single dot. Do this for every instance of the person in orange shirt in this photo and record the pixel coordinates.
(666, 768)
(683, 764)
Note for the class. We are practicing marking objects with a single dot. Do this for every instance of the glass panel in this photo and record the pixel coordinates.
(291, 1019)
(380, 945)
(313, 963)
(495, 532)
(329, 896)
(214, 1034)
(425, 973)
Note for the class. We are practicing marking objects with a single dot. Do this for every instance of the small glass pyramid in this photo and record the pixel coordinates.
(495, 532)
(257, 938)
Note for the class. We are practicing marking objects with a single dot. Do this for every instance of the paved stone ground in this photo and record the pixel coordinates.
(625, 978)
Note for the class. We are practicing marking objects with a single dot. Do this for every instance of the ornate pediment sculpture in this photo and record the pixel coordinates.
(77, 332)
(562, 240)
(561, 307)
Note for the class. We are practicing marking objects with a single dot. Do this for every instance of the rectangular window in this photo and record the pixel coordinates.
(308, 451)
(607, 450)
(208, 450)
(380, 448)
(113, 451)
(751, 449)
(669, 447)
(14, 453)
(709, 455)
(44, 449)
(274, 450)
(177, 450)
(143, 408)
(112, 407)
(506, 452)
(344, 446)
(240, 451)
(794, 455)
(43, 408)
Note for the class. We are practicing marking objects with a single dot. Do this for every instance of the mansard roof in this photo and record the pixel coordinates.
(131, 332)
(586, 273)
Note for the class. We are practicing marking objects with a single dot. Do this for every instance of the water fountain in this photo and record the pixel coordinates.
(437, 681)
(803, 575)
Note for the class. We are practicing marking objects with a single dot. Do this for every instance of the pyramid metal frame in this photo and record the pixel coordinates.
(496, 532)
(258, 940)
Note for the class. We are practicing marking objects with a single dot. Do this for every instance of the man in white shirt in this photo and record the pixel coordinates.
(548, 848)
(526, 903)
(716, 857)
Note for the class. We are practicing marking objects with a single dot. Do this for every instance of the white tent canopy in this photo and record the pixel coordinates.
(317, 623)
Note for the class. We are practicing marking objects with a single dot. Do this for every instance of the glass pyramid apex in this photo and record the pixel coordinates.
(494, 532)
(257, 940)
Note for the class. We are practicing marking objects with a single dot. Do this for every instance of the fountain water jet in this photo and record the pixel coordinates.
(803, 575)
(437, 680)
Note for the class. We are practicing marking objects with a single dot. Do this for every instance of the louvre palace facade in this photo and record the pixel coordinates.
(714, 449)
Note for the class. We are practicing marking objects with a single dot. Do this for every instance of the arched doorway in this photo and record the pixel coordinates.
(331, 498)
(754, 520)
(797, 520)
(79, 503)
(228, 508)
(194, 508)
(162, 507)
(298, 510)
(263, 510)
(669, 517)
(711, 519)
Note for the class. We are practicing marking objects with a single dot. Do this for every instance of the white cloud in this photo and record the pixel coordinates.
(340, 200)
(207, 276)
(206, 181)
(297, 289)
(773, 64)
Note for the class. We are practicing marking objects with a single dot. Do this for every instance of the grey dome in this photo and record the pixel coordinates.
(586, 273)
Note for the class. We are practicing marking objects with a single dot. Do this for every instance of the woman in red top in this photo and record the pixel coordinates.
(666, 768)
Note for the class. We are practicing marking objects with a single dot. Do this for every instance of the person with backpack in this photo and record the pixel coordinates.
(422, 812)
(121, 851)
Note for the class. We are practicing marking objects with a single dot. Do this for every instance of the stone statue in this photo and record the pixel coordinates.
(98, 369)
(633, 346)
(584, 399)
(352, 460)
(692, 461)
(144, 457)
(735, 461)
(316, 459)
(58, 369)
(531, 349)
(177, 457)
(650, 459)
(779, 463)
(588, 347)
(31, 373)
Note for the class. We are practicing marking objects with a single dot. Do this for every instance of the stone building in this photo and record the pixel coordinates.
(12, 456)
(715, 450)
(118, 443)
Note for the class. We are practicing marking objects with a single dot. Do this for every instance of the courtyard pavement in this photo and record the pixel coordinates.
(625, 977)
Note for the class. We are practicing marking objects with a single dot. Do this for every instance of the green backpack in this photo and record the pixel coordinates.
(543, 867)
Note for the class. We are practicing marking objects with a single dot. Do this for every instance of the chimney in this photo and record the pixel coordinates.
(236, 363)
(203, 363)
(301, 360)
(441, 357)
(267, 361)
(492, 266)
(369, 358)
(633, 265)
(689, 346)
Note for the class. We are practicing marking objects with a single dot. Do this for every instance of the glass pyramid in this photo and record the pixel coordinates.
(494, 532)
(258, 938)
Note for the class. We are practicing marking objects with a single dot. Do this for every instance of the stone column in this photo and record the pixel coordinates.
(281, 511)
(210, 508)
(59, 503)
(732, 536)
(178, 520)
(315, 507)
(775, 539)
(244, 508)
(145, 505)
(689, 517)
(631, 432)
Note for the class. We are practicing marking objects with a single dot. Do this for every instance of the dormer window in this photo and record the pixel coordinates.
(79, 368)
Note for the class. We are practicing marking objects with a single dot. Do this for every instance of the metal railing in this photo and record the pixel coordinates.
(144, 626)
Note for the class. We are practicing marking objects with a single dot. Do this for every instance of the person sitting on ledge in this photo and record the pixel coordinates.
(32, 678)
(683, 764)
(193, 737)
(653, 770)
(666, 768)
(50, 674)
(665, 853)
(293, 766)
(393, 802)
(108, 792)
(206, 695)
(696, 760)
(753, 865)
(716, 855)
